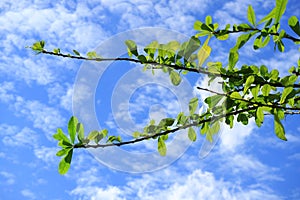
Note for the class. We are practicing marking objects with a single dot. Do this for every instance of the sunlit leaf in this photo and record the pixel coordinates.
(233, 58)
(268, 16)
(294, 24)
(175, 78)
(278, 127)
(131, 48)
(251, 15)
(65, 163)
(259, 116)
(203, 53)
(193, 105)
(248, 83)
(80, 132)
(279, 9)
(72, 126)
(161, 146)
(192, 134)
(286, 91)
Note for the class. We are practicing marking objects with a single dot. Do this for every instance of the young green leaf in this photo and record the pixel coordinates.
(278, 127)
(192, 134)
(175, 78)
(259, 117)
(235, 95)
(166, 122)
(76, 52)
(294, 24)
(279, 9)
(60, 136)
(65, 163)
(212, 101)
(72, 126)
(63, 152)
(255, 91)
(266, 90)
(203, 53)
(268, 17)
(80, 132)
(93, 134)
(248, 83)
(193, 105)
(212, 130)
(286, 91)
(251, 15)
(131, 48)
(233, 58)
(161, 147)
(191, 46)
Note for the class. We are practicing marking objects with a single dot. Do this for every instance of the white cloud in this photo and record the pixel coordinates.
(169, 184)
(43, 117)
(12, 136)
(295, 156)
(47, 154)
(28, 194)
(9, 178)
(5, 92)
(233, 138)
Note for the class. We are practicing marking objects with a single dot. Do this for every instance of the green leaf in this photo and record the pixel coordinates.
(243, 39)
(294, 24)
(203, 53)
(212, 130)
(38, 46)
(197, 25)
(175, 77)
(191, 46)
(279, 9)
(60, 136)
(279, 129)
(208, 19)
(259, 117)
(161, 146)
(56, 51)
(166, 122)
(242, 118)
(65, 163)
(248, 83)
(72, 126)
(255, 91)
(63, 152)
(212, 101)
(274, 74)
(266, 90)
(229, 120)
(233, 58)
(193, 105)
(92, 54)
(251, 15)
(93, 134)
(131, 48)
(235, 95)
(286, 91)
(192, 134)
(136, 134)
(142, 58)
(76, 52)
(80, 132)
(113, 138)
(268, 16)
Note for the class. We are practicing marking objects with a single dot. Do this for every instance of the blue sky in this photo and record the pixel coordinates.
(36, 98)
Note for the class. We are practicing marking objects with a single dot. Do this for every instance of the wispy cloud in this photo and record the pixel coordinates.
(9, 178)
